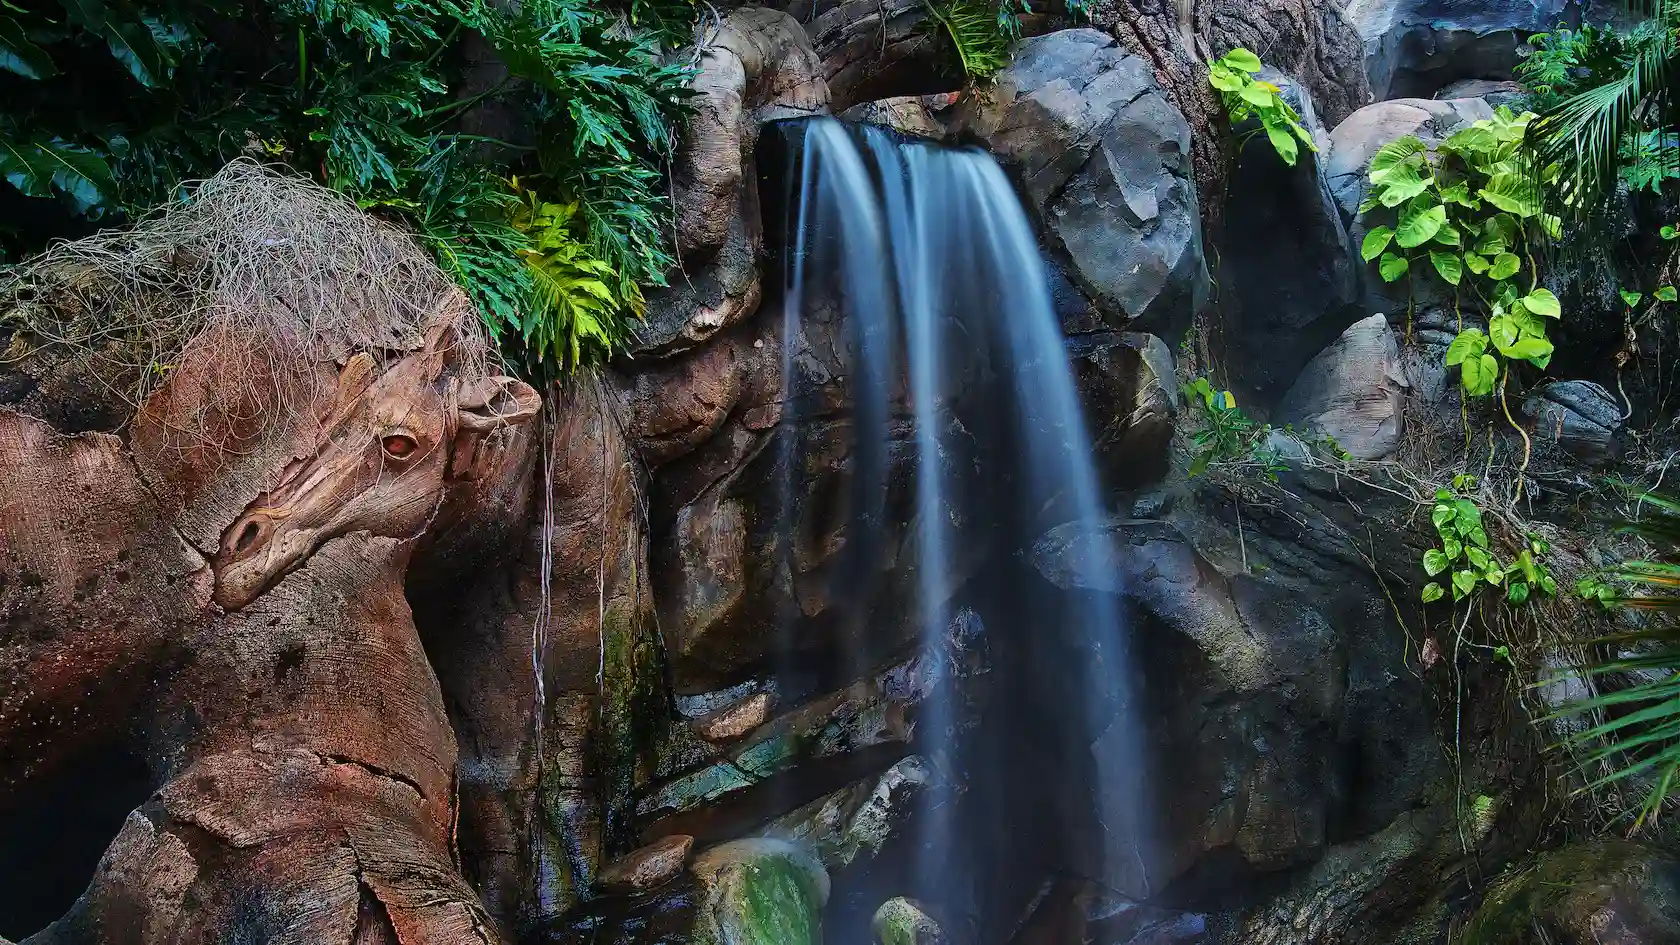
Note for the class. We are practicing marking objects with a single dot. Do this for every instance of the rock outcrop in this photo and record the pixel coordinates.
(1413, 48)
(1353, 391)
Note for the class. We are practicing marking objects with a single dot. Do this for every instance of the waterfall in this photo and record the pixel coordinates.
(928, 256)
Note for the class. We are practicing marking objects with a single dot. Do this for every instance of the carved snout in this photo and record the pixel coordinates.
(258, 549)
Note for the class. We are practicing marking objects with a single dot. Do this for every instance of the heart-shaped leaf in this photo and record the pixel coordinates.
(1375, 242)
(1392, 267)
(1543, 302)
(1449, 266)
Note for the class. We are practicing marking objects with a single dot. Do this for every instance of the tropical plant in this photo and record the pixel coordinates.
(367, 96)
(1603, 96)
(981, 32)
(1466, 556)
(1227, 434)
(1470, 212)
(1246, 97)
(1635, 728)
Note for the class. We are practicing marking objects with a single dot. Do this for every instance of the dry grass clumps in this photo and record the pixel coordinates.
(256, 280)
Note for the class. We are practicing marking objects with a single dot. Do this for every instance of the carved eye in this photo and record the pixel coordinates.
(399, 445)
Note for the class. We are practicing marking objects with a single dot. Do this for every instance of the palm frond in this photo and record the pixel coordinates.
(976, 31)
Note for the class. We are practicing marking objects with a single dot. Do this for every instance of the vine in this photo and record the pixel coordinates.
(1247, 97)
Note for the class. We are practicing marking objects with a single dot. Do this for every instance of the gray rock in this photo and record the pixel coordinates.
(1129, 392)
(915, 115)
(857, 820)
(760, 892)
(1492, 91)
(1353, 391)
(1578, 417)
(1416, 47)
(1289, 289)
(902, 921)
(648, 866)
(1103, 158)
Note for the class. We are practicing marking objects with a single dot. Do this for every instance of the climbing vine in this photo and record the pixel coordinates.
(1470, 213)
(1247, 97)
(1464, 555)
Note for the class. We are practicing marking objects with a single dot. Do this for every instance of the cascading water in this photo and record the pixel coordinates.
(929, 258)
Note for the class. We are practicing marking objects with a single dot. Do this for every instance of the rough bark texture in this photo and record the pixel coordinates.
(1309, 39)
(240, 615)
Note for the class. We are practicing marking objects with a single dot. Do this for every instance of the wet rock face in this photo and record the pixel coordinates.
(902, 921)
(1604, 893)
(760, 892)
(1580, 418)
(1103, 158)
(1415, 47)
(1353, 391)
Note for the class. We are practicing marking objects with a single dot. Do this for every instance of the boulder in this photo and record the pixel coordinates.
(760, 892)
(1610, 892)
(919, 116)
(858, 820)
(902, 921)
(872, 48)
(1103, 159)
(1289, 289)
(756, 65)
(649, 866)
(1580, 418)
(1416, 47)
(1128, 390)
(1354, 391)
(1492, 91)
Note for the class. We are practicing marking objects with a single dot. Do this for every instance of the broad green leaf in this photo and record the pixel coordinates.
(1543, 302)
(1479, 375)
(1242, 59)
(40, 168)
(1665, 294)
(1513, 193)
(1449, 236)
(1395, 155)
(1420, 226)
(132, 42)
(1400, 184)
(1504, 330)
(1434, 562)
(1493, 575)
(1548, 585)
(1505, 265)
(21, 56)
(1669, 232)
(1469, 343)
(1516, 592)
(1224, 79)
(1442, 515)
(1432, 592)
(1375, 242)
(1452, 548)
(1449, 266)
(1474, 139)
(1284, 143)
(1478, 535)
(1476, 264)
(1536, 350)
(1463, 583)
(1392, 267)
(1631, 298)
(1478, 558)
(1259, 94)
(1459, 193)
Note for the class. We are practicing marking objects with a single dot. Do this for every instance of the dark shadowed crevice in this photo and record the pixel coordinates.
(52, 838)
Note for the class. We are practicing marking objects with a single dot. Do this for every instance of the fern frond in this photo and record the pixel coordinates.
(978, 33)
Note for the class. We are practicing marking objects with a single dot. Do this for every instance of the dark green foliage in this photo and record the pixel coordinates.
(108, 108)
(981, 32)
(1635, 728)
(1602, 98)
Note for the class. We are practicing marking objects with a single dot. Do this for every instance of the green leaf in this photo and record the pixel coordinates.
(1225, 80)
(1669, 232)
(1392, 267)
(1258, 94)
(1478, 558)
(1449, 266)
(1463, 583)
(1435, 561)
(1631, 298)
(1479, 375)
(1505, 265)
(1512, 192)
(41, 168)
(1449, 236)
(1504, 331)
(1516, 592)
(1459, 193)
(1400, 184)
(1665, 294)
(1284, 143)
(1476, 264)
(1419, 226)
(1469, 343)
(1395, 156)
(1441, 516)
(1241, 59)
(21, 56)
(133, 43)
(1375, 242)
(1432, 592)
(1548, 585)
(1528, 348)
(1543, 302)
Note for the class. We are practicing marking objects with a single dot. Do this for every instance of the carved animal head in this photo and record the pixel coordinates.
(389, 444)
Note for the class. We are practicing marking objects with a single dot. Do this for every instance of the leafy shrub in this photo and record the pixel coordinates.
(366, 96)
(1464, 553)
(981, 32)
(1246, 97)
(1636, 723)
(1227, 434)
(1470, 212)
